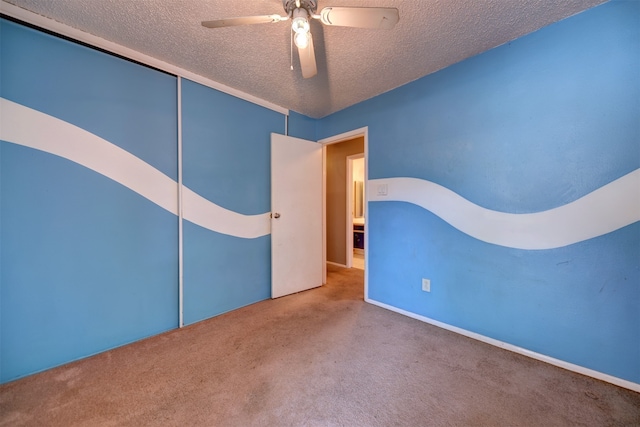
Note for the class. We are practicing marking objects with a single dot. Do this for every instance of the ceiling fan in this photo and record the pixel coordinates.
(300, 11)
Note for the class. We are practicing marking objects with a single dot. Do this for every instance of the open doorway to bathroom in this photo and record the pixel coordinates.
(345, 203)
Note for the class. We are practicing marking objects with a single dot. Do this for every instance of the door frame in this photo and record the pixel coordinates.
(351, 208)
(364, 132)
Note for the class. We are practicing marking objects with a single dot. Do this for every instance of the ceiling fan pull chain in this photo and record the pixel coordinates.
(291, 47)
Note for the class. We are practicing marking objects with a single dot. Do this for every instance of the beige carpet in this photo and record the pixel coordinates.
(318, 358)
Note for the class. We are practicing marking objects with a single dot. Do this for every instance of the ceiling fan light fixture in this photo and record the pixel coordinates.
(301, 11)
(301, 40)
(300, 23)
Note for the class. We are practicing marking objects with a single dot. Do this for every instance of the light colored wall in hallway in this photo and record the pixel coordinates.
(337, 196)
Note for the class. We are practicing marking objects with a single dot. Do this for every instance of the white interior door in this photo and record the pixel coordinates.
(296, 209)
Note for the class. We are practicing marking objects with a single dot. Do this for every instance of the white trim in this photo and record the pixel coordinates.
(324, 213)
(366, 214)
(364, 132)
(336, 264)
(506, 346)
(348, 253)
(350, 208)
(352, 134)
(73, 33)
(180, 214)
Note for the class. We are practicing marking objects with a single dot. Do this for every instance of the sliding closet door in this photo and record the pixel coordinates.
(226, 196)
(88, 167)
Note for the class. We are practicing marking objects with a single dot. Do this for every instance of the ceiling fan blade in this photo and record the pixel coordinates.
(308, 60)
(244, 20)
(360, 17)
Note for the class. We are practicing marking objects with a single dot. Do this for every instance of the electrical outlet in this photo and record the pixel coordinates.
(426, 285)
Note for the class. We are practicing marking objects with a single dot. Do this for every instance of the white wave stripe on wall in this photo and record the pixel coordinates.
(602, 211)
(206, 214)
(31, 128)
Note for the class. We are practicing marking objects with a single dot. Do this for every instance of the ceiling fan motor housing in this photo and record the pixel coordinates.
(290, 5)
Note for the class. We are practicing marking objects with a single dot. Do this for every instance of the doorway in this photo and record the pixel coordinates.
(340, 202)
(286, 243)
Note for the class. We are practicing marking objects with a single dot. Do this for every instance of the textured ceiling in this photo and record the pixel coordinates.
(353, 64)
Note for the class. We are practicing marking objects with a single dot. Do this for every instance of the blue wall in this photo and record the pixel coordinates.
(87, 264)
(228, 163)
(301, 126)
(532, 125)
(89, 249)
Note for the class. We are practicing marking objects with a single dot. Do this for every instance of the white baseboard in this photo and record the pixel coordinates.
(336, 264)
(556, 362)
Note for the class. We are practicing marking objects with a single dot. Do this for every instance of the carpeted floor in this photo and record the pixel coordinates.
(318, 358)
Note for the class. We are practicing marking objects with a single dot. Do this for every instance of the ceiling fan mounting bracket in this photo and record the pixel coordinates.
(309, 5)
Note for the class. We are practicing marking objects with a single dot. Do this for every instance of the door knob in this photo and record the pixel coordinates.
(275, 215)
